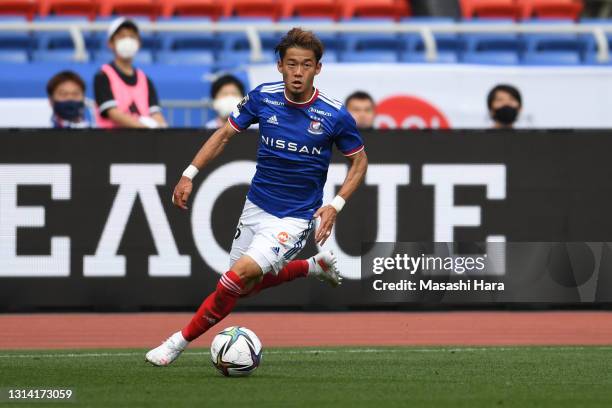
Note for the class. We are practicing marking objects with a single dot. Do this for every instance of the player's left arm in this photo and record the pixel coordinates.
(354, 178)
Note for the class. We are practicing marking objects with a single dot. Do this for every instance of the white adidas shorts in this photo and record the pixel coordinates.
(269, 240)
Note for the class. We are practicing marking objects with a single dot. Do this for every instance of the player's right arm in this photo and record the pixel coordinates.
(211, 149)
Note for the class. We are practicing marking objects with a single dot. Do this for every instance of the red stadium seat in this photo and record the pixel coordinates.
(192, 8)
(311, 8)
(149, 8)
(27, 8)
(567, 9)
(490, 9)
(87, 8)
(252, 8)
(375, 8)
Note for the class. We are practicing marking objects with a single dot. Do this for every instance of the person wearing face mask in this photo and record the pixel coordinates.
(504, 103)
(125, 96)
(226, 93)
(66, 92)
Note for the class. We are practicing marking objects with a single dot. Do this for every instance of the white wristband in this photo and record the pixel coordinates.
(338, 202)
(191, 171)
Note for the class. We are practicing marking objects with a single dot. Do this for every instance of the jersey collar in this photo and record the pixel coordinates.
(306, 104)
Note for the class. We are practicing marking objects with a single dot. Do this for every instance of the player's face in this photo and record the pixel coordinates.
(299, 67)
(68, 91)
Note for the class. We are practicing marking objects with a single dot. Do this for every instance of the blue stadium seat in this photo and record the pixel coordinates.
(444, 41)
(229, 59)
(555, 43)
(551, 58)
(56, 40)
(375, 42)
(590, 56)
(13, 56)
(144, 57)
(369, 56)
(188, 41)
(444, 57)
(66, 56)
(185, 57)
(15, 40)
(490, 57)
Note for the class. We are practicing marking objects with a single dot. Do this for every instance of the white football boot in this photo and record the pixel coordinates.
(169, 350)
(323, 267)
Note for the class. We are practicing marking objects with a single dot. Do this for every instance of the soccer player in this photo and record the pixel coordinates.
(298, 124)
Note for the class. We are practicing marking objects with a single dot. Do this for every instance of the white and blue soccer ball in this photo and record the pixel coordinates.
(236, 351)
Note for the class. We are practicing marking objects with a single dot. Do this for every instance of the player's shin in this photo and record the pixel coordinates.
(216, 306)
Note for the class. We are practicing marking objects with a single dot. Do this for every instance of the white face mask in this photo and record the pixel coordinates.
(127, 47)
(225, 105)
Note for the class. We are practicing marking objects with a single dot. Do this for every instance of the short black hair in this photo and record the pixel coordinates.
(62, 77)
(359, 95)
(225, 80)
(298, 38)
(509, 89)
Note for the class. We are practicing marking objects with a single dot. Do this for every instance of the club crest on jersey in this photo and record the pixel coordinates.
(316, 128)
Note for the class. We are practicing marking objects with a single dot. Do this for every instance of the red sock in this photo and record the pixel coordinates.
(291, 271)
(216, 306)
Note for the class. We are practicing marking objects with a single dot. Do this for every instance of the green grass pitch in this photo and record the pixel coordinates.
(327, 377)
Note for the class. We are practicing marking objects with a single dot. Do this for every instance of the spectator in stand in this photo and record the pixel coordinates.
(362, 107)
(125, 96)
(66, 92)
(504, 103)
(226, 93)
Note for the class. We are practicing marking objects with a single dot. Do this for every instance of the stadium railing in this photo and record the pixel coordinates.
(254, 30)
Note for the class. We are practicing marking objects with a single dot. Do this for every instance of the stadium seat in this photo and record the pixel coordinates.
(185, 57)
(370, 56)
(311, 8)
(86, 8)
(192, 8)
(551, 58)
(13, 56)
(61, 40)
(15, 40)
(252, 8)
(54, 56)
(364, 42)
(241, 57)
(444, 57)
(570, 9)
(493, 42)
(26, 8)
(149, 8)
(206, 41)
(395, 9)
(144, 57)
(445, 42)
(490, 9)
(491, 58)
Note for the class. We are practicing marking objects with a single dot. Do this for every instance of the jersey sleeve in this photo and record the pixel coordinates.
(246, 112)
(346, 136)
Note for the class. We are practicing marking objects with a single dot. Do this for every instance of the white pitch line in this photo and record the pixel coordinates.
(315, 351)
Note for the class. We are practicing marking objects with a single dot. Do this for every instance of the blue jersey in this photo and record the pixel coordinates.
(295, 147)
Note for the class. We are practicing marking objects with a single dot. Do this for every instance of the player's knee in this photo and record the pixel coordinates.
(248, 270)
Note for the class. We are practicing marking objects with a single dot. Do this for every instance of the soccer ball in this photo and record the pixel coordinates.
(236, 351)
